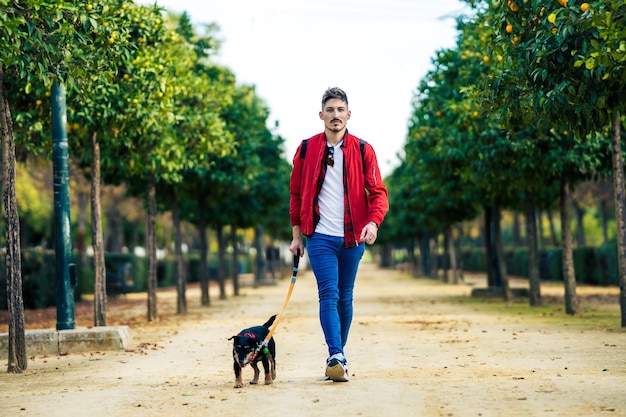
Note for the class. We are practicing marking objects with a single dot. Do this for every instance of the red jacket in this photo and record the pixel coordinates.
(366, 193)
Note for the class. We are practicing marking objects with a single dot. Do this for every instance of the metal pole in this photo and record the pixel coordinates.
(63, 246)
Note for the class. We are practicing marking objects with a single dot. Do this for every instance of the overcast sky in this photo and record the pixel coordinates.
(292, 50)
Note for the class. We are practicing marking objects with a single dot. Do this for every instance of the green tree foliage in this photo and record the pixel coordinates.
(38, 43)
(34, 203)
(499, 116)
(552, 48)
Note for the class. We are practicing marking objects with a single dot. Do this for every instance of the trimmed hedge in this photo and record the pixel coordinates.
(592, 265)
(125, 273)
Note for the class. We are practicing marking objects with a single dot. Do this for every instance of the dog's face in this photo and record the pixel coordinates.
(244, 348)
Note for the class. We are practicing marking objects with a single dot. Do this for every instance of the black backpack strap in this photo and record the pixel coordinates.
(303, 148)
(362, 146)
(362, 143)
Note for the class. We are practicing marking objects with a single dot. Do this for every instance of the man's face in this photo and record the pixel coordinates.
(335, 115)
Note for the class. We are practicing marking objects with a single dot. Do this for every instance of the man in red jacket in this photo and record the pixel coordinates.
(338, 201)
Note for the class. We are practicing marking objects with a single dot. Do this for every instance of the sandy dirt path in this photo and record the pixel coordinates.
(412, 352)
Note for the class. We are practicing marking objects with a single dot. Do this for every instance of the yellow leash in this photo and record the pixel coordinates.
(296, 261)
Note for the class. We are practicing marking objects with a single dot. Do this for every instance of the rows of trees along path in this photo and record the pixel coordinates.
(148, 109)
(526, 106)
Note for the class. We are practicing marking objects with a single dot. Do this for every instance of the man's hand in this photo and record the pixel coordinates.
(369, 233)
(296, 242)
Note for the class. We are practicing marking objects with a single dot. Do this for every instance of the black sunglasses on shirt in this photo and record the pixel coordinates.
(330, 156)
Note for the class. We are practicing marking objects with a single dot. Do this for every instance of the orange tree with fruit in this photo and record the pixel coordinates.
(41, 42)
(94, 116)
(469, 147)
(106, 107)
(168, 123)
(473, 129)
(431, 194)
(566, 61)
(455, 146)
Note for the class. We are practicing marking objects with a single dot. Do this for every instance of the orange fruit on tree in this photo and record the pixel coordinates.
(509, 28)
(584, 7)
(513, 6)
(562, 2)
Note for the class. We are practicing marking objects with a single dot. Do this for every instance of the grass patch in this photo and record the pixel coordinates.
(592, 315)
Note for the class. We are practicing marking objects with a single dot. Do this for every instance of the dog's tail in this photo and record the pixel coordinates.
(270, 321)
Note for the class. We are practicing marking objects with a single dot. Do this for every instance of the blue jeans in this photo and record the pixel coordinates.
(335, 268)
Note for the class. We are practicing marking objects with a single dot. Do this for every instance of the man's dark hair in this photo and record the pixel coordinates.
(334, 92)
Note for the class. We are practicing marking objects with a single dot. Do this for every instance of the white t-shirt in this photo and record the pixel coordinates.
(331, 198)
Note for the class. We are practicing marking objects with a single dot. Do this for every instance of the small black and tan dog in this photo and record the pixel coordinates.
(248, 349)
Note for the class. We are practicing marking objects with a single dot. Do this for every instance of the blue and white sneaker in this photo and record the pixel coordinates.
(337, 368)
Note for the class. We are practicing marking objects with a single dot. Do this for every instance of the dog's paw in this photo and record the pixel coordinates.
(238, 386)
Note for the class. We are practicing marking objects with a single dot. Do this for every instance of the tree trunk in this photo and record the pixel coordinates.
(489, 252)
(569, 277)
(553, 235)
(425, 253)
(604, 222)
(517, 240)
(579, 213)
(100, 295)
(411, 258)
(204, 253)
(259, 271)
(181, 278)
(434, 260)
(151, 246)
(3, 164)
(620, 211)
(235, 259)
(221, 261)
(534, 283)
(446, 254)
(3, 177)
(17, 360)
(500, 262)
(459, 258)
(452, 255)
(539, 226)
(385, 252)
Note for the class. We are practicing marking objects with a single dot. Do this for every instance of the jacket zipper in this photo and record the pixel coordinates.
(346, 182)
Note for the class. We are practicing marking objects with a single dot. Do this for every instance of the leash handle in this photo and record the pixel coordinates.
(296, 262)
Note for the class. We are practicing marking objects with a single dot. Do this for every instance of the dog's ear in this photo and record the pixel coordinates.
(233, 337)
